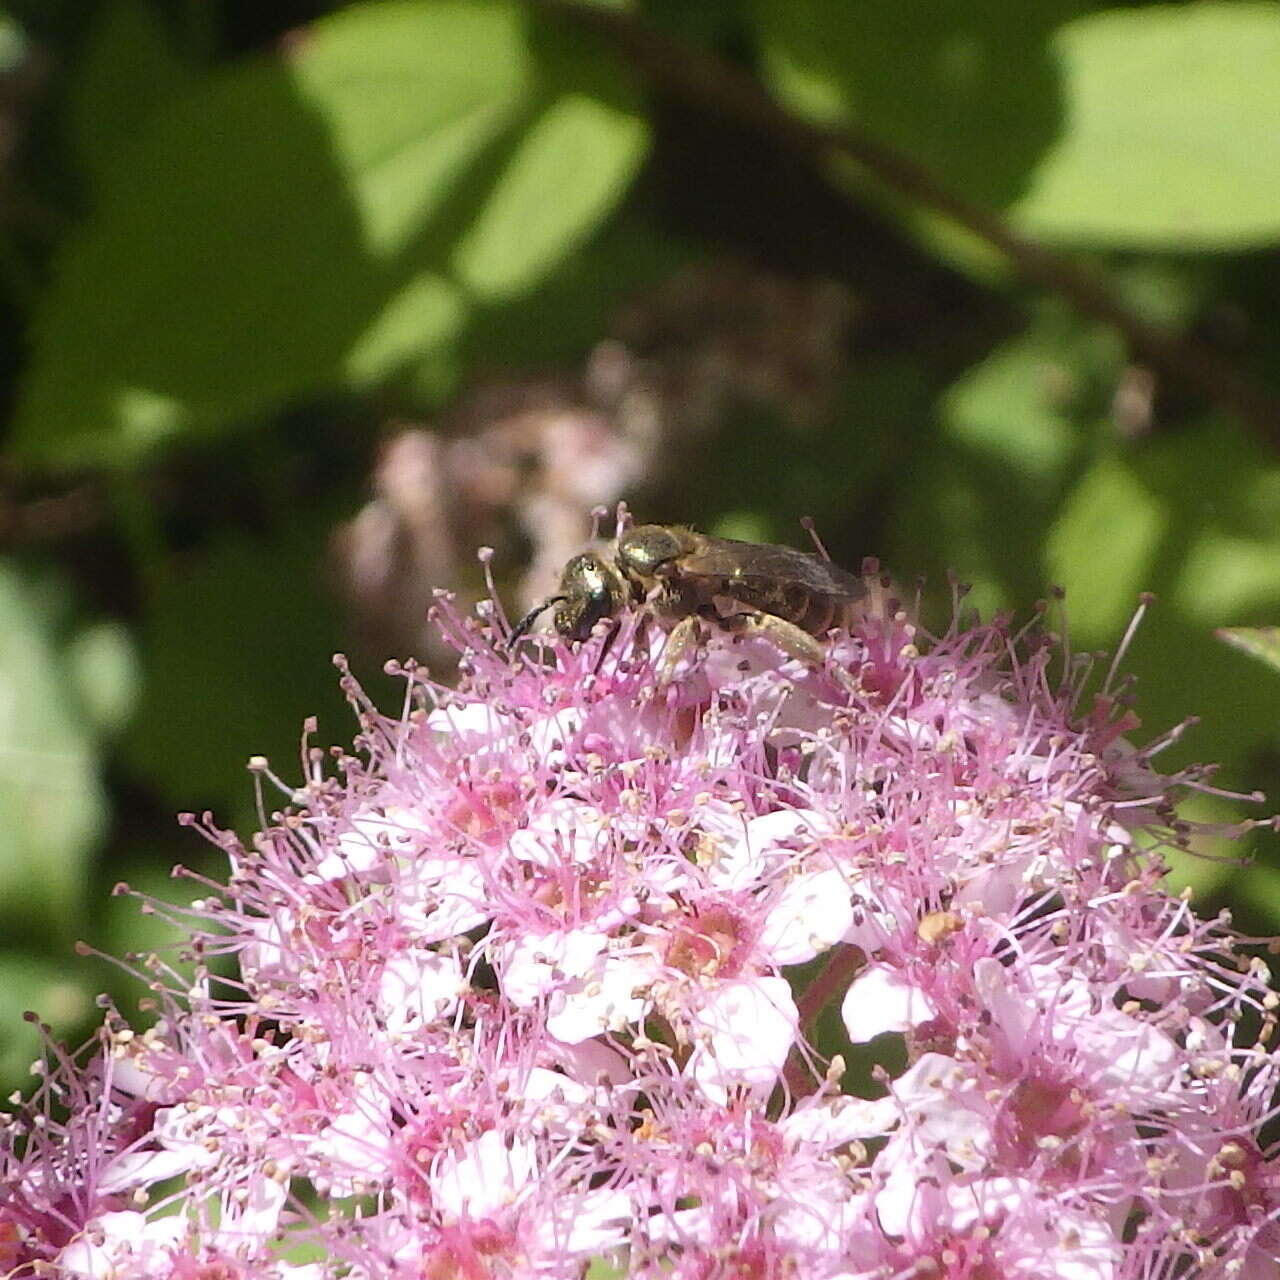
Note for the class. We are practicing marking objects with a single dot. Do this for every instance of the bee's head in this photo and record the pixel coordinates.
(590, 589)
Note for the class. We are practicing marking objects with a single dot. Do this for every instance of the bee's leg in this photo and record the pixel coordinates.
(682, 639)
(786, 636)
(614, 628)
(779, 632)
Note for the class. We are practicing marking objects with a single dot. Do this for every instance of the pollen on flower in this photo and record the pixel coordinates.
(533, 977)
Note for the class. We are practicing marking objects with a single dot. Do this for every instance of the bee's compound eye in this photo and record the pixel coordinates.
(575, 618)
(646, 548)
(589, 596)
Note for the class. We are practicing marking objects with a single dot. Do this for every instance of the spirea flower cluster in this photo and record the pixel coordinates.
(538, 980)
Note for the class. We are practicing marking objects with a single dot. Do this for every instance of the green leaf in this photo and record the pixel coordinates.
(1215, 492)
(52, 808)
(1212, 861)
(564, 170)
(103, 665)
(1104, 546)
(15, 48)
(1260, 887)
(424, 316)
(1227, 574)
(567, 314)
(122, 924)
(41, 987)
(1023, 406)
(237, 645)
(323, 217)
(128, 68)
(1013, 431)
(1152, 126)
(957, 84)
(1261, 642)
(1171, 135)
(1030, 483)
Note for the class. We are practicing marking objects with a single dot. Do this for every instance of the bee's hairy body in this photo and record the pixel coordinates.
(815, 613)
(683, 578)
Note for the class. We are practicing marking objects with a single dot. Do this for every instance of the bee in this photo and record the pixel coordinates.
(686, 580)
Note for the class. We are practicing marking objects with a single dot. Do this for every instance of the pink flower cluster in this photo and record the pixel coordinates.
(539, 981)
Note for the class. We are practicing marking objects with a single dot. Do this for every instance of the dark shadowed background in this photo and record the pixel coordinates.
(304, 302)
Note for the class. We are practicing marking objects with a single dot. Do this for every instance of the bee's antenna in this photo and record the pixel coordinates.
(597, 514)
(522, 627)
(806, 522)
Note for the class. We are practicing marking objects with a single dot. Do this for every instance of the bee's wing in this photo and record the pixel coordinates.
(726, 559)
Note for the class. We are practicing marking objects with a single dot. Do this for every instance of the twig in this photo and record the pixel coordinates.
(701, 77)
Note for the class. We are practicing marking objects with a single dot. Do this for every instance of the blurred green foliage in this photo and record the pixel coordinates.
(240, 243)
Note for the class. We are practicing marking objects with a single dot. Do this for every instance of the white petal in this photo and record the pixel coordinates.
(875, 917)
(548, 736)
(543, 1085)
(749, 848)
(813, 912)
(881, 999)
(565, 831)
(124, 1244)
(373, 837)
(419, 987)
(536, 964)
(256, 1216)
(839, 1121)
(594, 1223)
(907, 1199)
(818, 1215)
(747, 1030)
(484, 1176)
(596, 1061)
(135, 1168)
(1015, 1013)
(944, 1111)
(356, 1143)
(470, 724)
(613, 996)
(448, 899)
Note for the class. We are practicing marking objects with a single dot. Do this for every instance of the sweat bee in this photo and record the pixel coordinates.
(684, 579)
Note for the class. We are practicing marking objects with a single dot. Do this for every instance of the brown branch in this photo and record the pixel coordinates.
(839, 968)
(51, 518)
(719, 86)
